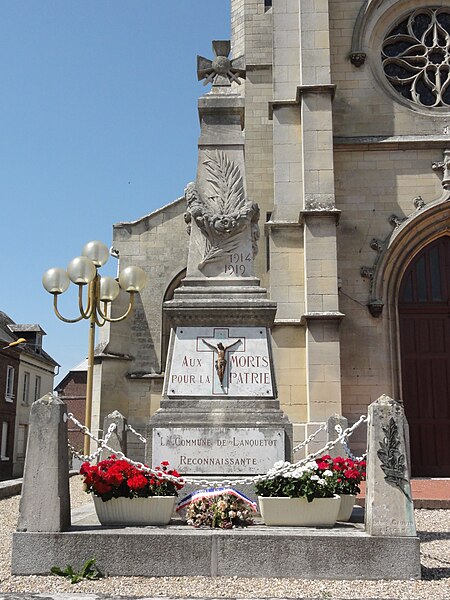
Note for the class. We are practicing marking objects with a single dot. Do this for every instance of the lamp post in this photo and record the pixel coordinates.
(101, 292)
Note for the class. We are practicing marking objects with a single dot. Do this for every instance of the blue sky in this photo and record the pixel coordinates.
(98, 124)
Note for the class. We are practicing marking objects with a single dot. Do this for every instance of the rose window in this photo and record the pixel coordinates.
(416, 57)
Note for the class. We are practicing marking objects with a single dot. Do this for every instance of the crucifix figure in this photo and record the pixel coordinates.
(221, 361)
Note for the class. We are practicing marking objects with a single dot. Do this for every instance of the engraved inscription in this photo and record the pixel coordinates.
(218, 450)
(220, 361)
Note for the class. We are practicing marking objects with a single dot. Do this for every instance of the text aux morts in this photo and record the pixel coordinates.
(239, 368)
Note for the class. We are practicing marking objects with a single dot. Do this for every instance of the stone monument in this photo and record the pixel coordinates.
(219, 413)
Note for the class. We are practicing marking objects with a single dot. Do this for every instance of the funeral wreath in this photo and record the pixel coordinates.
(224, 508)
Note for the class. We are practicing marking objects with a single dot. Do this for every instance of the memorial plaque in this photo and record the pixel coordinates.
(220, 362)
(217, 451)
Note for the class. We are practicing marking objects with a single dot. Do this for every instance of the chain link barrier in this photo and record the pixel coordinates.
(283, 469)
(137, 434)
(308, 439)
(346, 447)
(101, 442)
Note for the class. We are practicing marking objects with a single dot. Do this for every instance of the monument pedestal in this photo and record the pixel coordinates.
(219, 414)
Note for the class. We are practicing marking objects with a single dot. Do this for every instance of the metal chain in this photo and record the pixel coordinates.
(137, 434)
(308, 439)
(349, 453)
(285, 468)
(101, 442)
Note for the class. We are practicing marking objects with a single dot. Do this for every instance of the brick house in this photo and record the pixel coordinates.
(72, 390)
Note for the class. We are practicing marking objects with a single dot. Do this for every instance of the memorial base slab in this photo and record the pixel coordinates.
(177, 550)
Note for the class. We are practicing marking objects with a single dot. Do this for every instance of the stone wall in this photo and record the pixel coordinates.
(128, 371)
(382, 163)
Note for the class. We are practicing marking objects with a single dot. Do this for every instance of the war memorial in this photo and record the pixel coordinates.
(265, 334)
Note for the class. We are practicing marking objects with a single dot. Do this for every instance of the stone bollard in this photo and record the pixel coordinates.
(118, 439)
(332, 434)
(45, 501)
(389, 505)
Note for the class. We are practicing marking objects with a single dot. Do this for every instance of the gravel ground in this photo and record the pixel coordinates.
(433, 527)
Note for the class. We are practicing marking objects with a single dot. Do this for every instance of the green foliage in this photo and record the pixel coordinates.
(88, 571)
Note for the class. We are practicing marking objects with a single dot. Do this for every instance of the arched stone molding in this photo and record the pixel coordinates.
(423, 226)
(358, 51)
(409, 236)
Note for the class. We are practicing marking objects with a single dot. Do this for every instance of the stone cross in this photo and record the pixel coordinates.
(222, 70)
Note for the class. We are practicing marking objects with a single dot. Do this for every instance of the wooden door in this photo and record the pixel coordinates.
(424, 312)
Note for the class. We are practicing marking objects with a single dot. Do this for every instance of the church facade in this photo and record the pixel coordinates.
(345, 116)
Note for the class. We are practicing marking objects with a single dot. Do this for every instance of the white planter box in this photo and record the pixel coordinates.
(298, 512)
(135, 511)
(346, 508)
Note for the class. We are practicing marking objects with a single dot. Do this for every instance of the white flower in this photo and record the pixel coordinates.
(327, 473)
(299, 472)
(315, 478)
(311, 466)
(280, 464)
(321, 482)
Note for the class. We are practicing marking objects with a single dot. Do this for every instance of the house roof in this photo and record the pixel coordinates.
(20, 327)
(81, 366)
(9, 331)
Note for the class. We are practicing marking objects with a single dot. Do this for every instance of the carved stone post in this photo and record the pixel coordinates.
(118, 439)
(389, 504)
(332, 434)
(45, 502)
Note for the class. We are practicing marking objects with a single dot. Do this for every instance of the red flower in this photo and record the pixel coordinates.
(115, 478)
(102, 488)
(322, 465)
(138, 482)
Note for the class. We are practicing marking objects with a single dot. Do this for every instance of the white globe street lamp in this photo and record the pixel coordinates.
(101, 291)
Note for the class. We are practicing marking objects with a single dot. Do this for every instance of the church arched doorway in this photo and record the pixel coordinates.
(424, 317)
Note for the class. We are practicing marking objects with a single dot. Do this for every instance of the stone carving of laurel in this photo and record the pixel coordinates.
(224, 213)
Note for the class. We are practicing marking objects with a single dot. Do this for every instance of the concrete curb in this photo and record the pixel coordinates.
(426, 503)
(13, 487)
(10, 488)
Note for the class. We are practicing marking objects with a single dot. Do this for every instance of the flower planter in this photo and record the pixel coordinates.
(346, 507)
(156, 510)
(298, 512)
